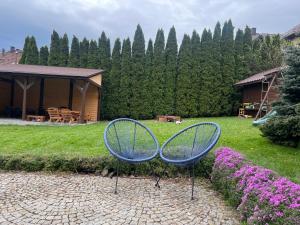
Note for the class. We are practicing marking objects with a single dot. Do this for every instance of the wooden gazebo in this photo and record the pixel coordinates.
(35, 88)
(260, 90)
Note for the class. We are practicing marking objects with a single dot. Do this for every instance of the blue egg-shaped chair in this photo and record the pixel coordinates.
(190, 145)
(130, 141)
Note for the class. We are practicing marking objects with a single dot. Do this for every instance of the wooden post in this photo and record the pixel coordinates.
(99, 104)
(265, 97)
(83, 91)
(24, 99)
(12, 93)
(41, 100)
(25, 86)
(70, 105)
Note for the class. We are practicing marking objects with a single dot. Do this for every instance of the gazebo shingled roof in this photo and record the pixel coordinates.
(258, 77)
(49, 70)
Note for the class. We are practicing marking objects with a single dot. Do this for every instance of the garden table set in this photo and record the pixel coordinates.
(130, 141)
(63, 115)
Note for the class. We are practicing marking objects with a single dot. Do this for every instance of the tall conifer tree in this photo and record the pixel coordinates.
(158, 74)
(32, 55)
(54, 54)
(206, 81)
(125, 81)
(25, 50)
(276, 52)
(148, 110)
(265, 53)
(195, 75)
(44, 54)
(171, 53)
(105, 64)
(216, 98)
(93, 58)
(256, 64)
(138, 76)
(248, 52)
(183, 78)
(104, 52)
(108, 53)
(240, 69)
(113, 83)
(83, 52)
(228, 72)
(64, 50)
(74, 60)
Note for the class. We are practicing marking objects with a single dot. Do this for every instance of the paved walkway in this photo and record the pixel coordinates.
(33, 198)
(9, 121)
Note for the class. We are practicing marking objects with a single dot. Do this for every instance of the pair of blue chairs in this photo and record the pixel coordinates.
(130, 141)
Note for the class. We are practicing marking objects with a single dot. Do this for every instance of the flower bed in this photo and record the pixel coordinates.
(260, 195)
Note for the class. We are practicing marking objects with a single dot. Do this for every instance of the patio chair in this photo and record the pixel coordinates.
(131, 142)
(189, 146)
(75, 115)
(67, 115)
(54, 115)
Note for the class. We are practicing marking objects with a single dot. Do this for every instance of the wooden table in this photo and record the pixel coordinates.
(36, 118)
(166, 118)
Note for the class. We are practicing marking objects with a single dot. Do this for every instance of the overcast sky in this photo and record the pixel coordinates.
(118, 18)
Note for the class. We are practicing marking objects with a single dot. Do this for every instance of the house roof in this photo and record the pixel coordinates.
(259, 76)
(255, 36)
(292, 32)
(48, 71)
(10, 57)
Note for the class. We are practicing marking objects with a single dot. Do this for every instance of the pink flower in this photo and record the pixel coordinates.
(264, 196)
(279, 214)
(294, 205)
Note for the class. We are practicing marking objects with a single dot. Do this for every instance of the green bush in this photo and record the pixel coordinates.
(13, 164)
(32, 165)
(92, 165)
(283, 130)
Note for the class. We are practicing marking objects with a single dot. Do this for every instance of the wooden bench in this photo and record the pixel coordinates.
(36, 118)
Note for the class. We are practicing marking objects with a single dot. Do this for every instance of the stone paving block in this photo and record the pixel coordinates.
(37, 198)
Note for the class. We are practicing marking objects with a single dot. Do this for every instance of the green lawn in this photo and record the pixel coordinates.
(87, 141)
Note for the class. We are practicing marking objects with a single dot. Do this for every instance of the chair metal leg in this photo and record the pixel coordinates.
(157, 182)
(193, 181)
(159, 177)
(153, 174)
(116, 186)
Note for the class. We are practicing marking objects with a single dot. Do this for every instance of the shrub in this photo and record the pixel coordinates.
(285, 128)
(91, 165)
(226, 163)
(260, 195)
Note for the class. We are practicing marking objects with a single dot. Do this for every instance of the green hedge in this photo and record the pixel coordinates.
(94, 165)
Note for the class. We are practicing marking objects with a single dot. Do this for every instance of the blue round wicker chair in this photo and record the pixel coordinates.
(130, 141)
(190, 145)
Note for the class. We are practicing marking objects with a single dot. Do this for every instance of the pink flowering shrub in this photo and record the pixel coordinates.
(226, 163)
(260, 195)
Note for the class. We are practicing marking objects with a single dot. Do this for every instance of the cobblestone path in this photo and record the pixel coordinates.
(37, 198)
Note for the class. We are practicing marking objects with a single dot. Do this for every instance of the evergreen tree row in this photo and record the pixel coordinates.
(144, 80)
